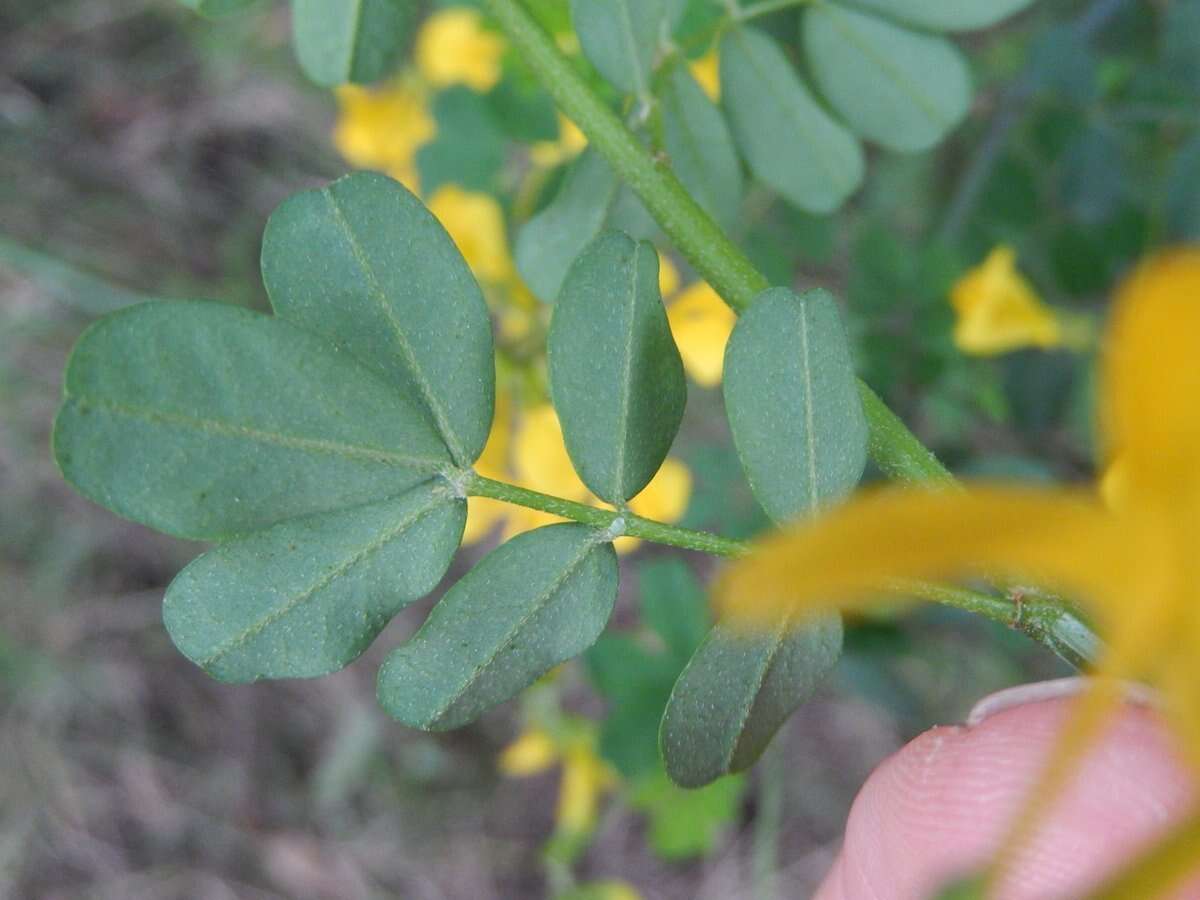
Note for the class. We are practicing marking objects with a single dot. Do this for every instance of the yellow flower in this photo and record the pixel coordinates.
(997, 310)
(381, 128)
(476, 224)
(454, 48)
(1131, 563)
(570, 144)
(530, 452)
(586, 778)
(701, 323)
(706, 70)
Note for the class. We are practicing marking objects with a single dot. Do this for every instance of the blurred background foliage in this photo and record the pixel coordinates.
(141, 150)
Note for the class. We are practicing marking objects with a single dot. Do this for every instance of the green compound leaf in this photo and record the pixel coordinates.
(737, 691)
(945, 15)
(700, 147)
(619, 38)
(899, 88)
(616, 376)
(536, 601)
(365, 264)
(338, 41)
(793, 402)
(306, 597)
(204, 421)
(551, 240)
(215, 9)
(790, 143)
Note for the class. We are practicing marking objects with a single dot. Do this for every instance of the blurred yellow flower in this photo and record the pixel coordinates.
(701, 323)
(454, 48)
(707, 72)
(529, 451)
(997, 310)
(570, 143)
(586, 778)
(1131, 562)
(476, 224)
(381, 128)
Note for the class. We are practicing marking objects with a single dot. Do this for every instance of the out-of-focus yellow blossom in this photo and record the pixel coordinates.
(529, 451)
(668, 276)
(701, 323)
(570, 143)
(1131, 562)
(707, 72)
(381, 128)
(997, 310)
(453, 47)
(585, 776)
(476, 224)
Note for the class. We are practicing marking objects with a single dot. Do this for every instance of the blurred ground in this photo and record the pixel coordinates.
(147, 147)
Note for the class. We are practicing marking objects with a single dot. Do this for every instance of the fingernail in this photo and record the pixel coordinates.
(1024, 694)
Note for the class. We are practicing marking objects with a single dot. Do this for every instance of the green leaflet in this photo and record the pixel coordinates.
(204, 421)
(945, 15)
(616, 376)
(793, 403)
(686, 824)
(365, 264)
(215, 9)
(307, 596)
(789, 142)
(349, 40)
(619, 38)
(902, 89)
(736, 692)
(700, 147)
(550, 241)
(540, 599)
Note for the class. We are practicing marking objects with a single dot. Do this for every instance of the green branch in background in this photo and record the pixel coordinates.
(717, 259)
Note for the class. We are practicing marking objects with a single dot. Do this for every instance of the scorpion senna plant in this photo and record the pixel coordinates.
(1125, 552)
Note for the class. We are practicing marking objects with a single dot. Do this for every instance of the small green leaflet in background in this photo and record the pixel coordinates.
(736, 692)
(339, 41)
(946, 15)
(686, 823)
(616, 376)
(364, 263)
(635, 677)
(1183, 192)
(700, 147)
(902, 89)
(790, 143)
(205, 421)
(307, 596)
(534, 602)
(215, 9)
(469, 147)
(793, 402)
(619, 38)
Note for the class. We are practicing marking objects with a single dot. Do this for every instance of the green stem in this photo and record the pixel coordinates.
(718, 260)
(1048, 622)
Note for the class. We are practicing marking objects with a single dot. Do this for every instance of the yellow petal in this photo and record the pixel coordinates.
(540, 459)
(701, 324)
(998, 311)
(1152, 375)
(476, 224)
(664, 499)
(707, 72)
(585, 778)
(532, 752)
(570, 143)
(845, 558)
(454, 48)
(381, 128)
